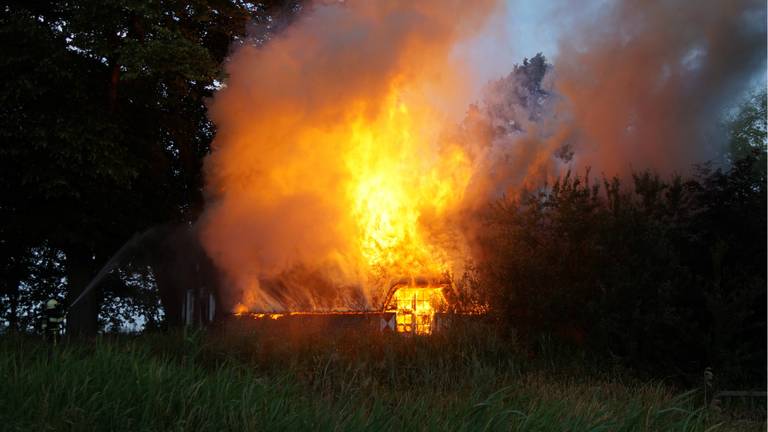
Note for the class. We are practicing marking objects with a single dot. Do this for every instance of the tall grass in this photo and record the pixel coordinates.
(267, 380)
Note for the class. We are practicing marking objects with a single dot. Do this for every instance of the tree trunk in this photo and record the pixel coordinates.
(167, 274)
(171, 294)
(11, 280)
(82, 317)
(13, 318)
(11, 288)
(114, 79)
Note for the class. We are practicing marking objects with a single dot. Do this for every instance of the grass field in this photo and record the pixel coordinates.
(252, 379)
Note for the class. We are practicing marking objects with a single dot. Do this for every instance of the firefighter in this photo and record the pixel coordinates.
(53, 318)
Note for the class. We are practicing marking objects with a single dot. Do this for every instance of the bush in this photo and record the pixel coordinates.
(668, 276)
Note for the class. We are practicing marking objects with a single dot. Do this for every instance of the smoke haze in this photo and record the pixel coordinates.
(641, 85)
(300, 159)
(346, 114)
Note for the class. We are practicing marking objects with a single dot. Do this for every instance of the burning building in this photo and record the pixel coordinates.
(336, 166)
(332, 172)
(417, 308)
(411, 308)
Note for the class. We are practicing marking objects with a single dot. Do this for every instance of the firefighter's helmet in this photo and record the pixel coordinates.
(52, 319)
(51, 304)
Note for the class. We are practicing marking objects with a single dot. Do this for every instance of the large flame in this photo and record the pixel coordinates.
(332, 173)
(396, 179)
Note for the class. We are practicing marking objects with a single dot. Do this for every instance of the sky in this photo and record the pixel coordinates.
(523, 29)
(536, 25)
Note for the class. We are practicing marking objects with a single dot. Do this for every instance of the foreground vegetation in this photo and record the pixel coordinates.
(251, 379)
(668, 275)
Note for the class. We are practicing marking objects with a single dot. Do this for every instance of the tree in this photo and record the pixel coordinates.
(518, 98)
(667, 275)
(105, 127)
(749, 132)
(749, 126)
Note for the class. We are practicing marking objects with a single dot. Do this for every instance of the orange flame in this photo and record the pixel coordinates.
(393, 184)
(331, 155)
(415, 309)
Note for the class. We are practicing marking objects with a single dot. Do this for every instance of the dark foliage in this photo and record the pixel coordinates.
(518, 98)
(668, 276)
(104, 129)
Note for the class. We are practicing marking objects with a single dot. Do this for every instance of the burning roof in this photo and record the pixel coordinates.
(411, 307)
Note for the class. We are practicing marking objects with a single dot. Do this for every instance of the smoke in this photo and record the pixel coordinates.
(336, 164)
(642, 85)
(301, 128)
(649, 87)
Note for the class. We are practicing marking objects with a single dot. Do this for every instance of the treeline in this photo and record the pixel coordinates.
(104, 128)
(667, 276)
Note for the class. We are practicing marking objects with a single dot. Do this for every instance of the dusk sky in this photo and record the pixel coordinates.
(525, 27)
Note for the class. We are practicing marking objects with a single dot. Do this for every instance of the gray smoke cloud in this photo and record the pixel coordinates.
(641, 85)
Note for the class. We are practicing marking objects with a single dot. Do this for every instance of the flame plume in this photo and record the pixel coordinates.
(331, 173)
